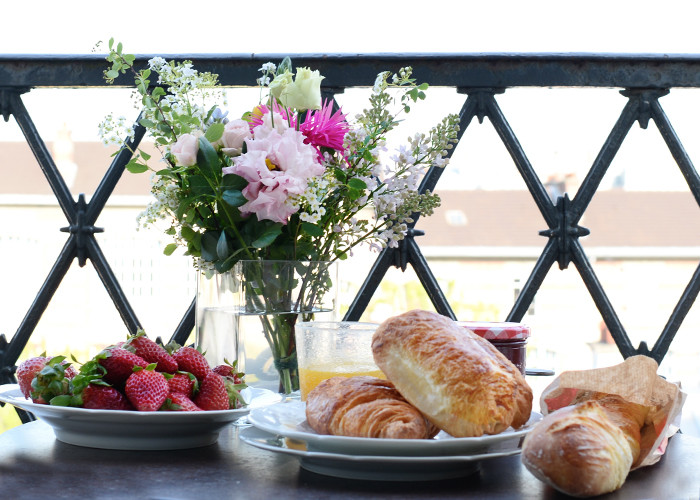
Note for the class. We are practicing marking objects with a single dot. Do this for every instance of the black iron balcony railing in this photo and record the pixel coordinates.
(642, 80)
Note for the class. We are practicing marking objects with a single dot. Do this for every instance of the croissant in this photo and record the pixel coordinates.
(588, 448)
(364, 407)
(458, 380)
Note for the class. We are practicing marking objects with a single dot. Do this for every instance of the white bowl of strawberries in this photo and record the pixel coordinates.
(135, 395)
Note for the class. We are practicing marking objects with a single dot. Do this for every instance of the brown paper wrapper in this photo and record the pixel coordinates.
(636, 381)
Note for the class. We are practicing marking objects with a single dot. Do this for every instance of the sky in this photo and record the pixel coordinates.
(274, 26)
(370, 26)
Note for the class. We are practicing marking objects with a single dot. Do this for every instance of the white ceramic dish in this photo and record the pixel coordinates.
(288, 419)
(371, 467)
(135, 430)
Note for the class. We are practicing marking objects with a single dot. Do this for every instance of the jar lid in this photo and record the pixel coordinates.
(497, 331)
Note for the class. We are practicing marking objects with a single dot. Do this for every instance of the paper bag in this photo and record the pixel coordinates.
(636, 381)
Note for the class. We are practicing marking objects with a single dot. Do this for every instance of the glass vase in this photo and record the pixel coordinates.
(250, 314)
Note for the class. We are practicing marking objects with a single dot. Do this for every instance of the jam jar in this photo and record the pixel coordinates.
(509, 338)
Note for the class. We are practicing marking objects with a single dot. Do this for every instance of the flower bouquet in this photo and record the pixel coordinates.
(292, 179)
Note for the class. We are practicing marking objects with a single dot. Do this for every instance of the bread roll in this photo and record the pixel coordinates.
(458, 380)
(588, 448)
(364, 407)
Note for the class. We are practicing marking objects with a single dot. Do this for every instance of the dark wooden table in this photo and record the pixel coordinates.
(33, 464)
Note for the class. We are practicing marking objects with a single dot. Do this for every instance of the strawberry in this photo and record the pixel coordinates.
(212, 393)
(70, 371)
(179, 402)
(52, 381)
(152, 352)
(229, 370)
(191, 360)
(233, 380)
(104, 397)
(182, 382)
(146, 388)
(26, 371)
(119, 364)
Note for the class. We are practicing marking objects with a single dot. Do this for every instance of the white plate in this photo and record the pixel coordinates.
(136, 430)
(370, 467)
(288, 419)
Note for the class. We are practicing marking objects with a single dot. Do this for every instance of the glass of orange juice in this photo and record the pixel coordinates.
(328, 349)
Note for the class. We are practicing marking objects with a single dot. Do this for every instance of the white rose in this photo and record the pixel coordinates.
(305, 92)
(280, 84)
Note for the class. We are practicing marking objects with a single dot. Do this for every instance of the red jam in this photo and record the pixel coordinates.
(514, 350)
(509, 338)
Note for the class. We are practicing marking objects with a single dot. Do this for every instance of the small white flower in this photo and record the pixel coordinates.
(268, 67)
(156, 63)
(380, 82)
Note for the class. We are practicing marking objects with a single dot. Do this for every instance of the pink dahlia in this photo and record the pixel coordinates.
(325, 130)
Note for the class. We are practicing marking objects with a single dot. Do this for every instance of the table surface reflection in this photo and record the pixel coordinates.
(33, 464)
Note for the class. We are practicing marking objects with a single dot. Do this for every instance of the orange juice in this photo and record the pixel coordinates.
(311, 377)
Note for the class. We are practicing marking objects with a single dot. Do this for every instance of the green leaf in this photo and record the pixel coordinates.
(188, 233)
(233, 181)
(135, 167)
(144, 155)
(147, 123)
(222, 246)
(170, 248)
(164, 128)
(312, 229)
(194, 244)
(227, 265)
(340, 175)
(183, 207)
(306, 248)
(268, 237)
(223, 266)
(354, 194)
(356, 183)
(285, 65)
(166, 172)
(208, 249)
(62, 400)
(200, 185)
(112, 73)
(234, 198)
(207, 159)
(214, 132)
(190, 215)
